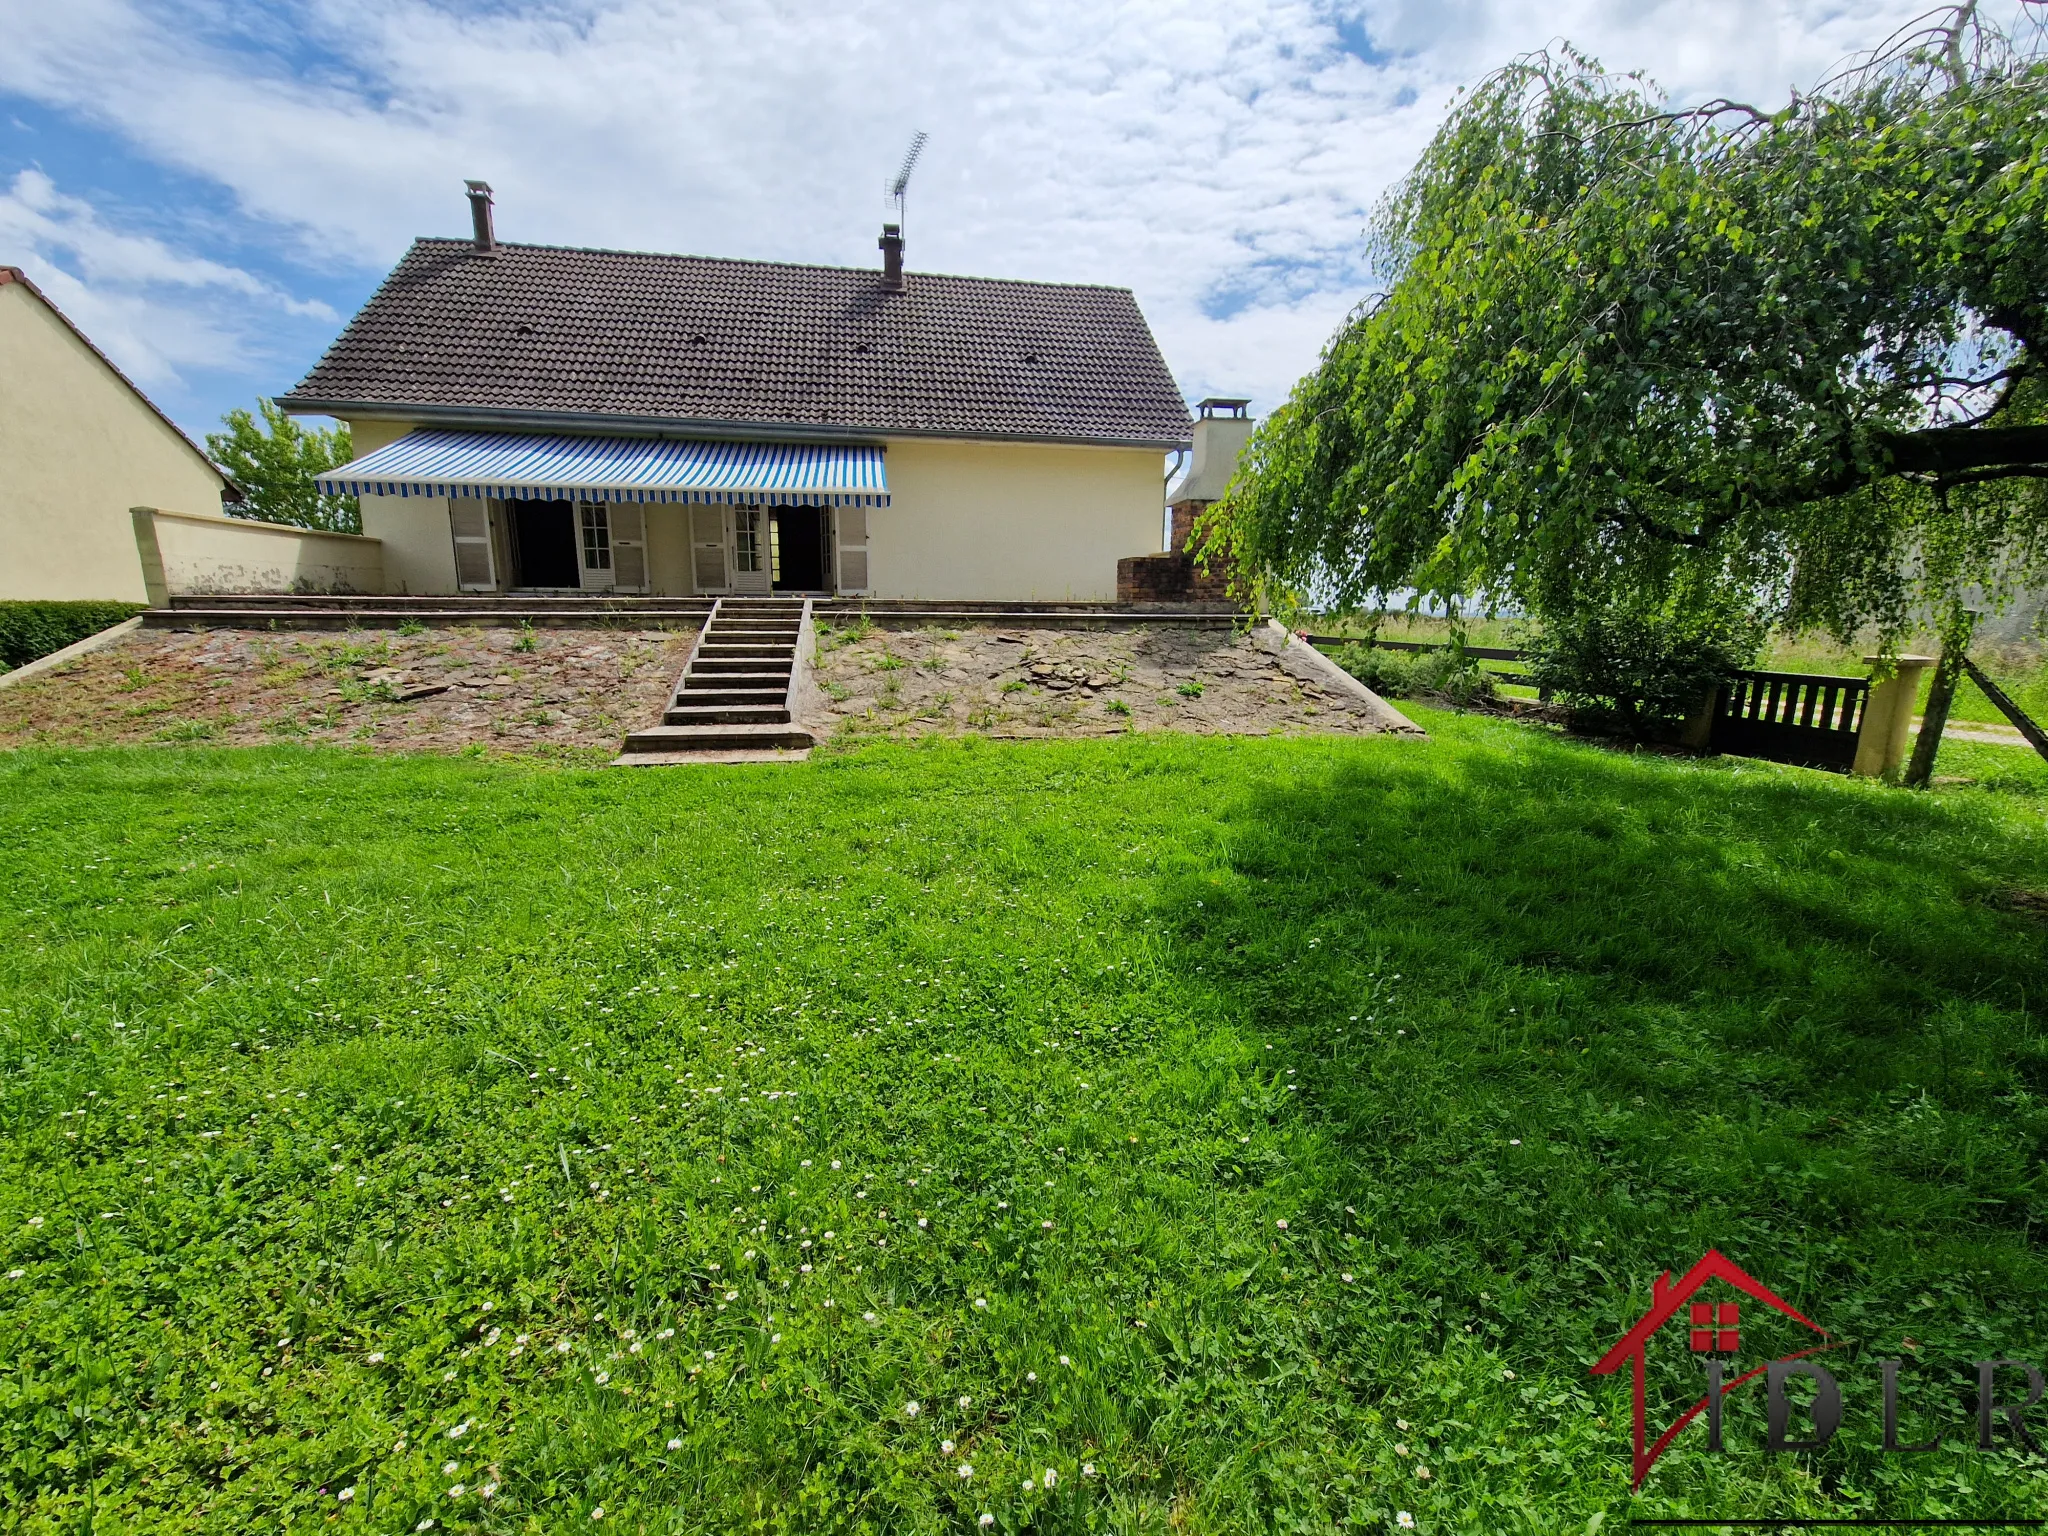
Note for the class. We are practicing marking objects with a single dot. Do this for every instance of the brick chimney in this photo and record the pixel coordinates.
(1171, 578)
(892, 257)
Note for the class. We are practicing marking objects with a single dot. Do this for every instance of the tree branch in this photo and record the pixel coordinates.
(1945, 452)
(1709, 529)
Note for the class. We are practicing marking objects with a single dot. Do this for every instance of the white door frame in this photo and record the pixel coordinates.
(593, 542)
(747, 533)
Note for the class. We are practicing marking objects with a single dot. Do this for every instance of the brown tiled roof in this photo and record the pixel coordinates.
(545, 333)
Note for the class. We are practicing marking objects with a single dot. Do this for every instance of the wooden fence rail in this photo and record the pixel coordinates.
(1790, 717)
(2022, 721)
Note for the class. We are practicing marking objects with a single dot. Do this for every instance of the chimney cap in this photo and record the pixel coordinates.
(478, 188)
(1228, 405)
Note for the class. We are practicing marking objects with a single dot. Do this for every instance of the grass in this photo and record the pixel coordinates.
(1259, 1124)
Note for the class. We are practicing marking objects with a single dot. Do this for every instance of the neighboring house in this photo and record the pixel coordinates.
(545, 418)
(79, 446)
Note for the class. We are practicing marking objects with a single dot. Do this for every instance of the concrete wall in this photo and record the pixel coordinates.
(1012, 521)
(186, 553)
(419, 546)
(78, 448)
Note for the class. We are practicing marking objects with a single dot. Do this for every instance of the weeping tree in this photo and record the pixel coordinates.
(1624, 352)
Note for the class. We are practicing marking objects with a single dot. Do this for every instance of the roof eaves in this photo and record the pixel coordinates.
(485, 417)
(16, 275)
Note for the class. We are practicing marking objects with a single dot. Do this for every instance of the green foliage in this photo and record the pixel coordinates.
(1636, 664)
(275, 461)
(1622, 348)
(350, 1101)
(1446, 673)
(32, 630)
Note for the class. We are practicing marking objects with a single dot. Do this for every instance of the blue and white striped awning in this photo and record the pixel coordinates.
(512, 466)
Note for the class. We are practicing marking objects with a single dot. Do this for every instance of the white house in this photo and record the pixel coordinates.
(540, 418)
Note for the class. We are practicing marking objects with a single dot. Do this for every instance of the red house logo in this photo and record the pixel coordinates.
(1711, 1327)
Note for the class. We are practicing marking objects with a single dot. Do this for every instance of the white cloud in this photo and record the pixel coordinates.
(153, 309)
(1219, 160)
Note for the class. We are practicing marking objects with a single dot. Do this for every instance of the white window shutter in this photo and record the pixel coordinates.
(707, 547)
(850, 543)
(469, 523)
(629, 547)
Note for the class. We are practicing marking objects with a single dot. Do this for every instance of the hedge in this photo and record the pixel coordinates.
(32, 630)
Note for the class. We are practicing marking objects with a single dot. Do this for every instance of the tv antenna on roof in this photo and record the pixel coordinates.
(901, 184)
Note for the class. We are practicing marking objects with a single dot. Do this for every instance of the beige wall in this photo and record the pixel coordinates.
(419, 546)
(184, 553)
(77, 450)
(366, 436)
(968, 521)
(1012, 521)
(668, 550)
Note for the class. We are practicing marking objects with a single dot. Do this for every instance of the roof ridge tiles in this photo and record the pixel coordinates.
(457, 243)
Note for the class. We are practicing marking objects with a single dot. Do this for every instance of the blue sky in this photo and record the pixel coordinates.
(209, 188)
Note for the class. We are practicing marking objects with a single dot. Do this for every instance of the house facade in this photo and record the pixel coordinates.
(79, 446)
(546, 419)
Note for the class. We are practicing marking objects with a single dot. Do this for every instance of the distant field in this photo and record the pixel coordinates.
(1150, 1134)
(2021, 670)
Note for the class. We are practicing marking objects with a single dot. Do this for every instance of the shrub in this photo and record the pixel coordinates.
(30, 631)
(1447, 674)
(1636, 665)
(276, 461)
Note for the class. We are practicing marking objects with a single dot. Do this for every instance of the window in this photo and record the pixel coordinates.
(746, 539)
(1725, 1334)
(597, 540)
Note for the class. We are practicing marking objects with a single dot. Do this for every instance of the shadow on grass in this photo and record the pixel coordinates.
(1567, 1019)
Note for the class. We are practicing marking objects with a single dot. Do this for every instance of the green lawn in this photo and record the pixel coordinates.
(1252, 1135)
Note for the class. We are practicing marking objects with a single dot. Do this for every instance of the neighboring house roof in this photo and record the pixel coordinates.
(16, 275)
(533, 334)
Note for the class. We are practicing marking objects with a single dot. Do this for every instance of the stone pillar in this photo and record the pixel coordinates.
(154, 586)
(1697, 734)
(1888, 718)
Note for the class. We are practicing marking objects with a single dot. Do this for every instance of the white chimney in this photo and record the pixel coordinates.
(1221, 427)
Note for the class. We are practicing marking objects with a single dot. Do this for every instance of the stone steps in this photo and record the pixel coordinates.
(715, 738)
(733, 696)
